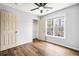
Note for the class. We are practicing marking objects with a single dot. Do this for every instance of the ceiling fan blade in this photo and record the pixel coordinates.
(44, 4)
(41, 4)
(41, 11)
(34, 9)
(48, 7)
(37, 4)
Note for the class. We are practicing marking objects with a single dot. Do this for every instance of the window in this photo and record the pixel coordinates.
(55, 27)
(50, 27)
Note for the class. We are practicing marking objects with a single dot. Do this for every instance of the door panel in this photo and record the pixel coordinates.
(8, 29)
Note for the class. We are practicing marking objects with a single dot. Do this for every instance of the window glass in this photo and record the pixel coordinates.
(55, 27)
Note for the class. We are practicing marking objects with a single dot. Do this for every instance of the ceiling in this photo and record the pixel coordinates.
(26, 7)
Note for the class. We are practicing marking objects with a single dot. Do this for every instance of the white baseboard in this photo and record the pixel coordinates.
(17, 45)
(65, 46)
(23, 43)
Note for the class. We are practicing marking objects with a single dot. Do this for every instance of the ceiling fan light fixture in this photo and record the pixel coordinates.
(41, 8)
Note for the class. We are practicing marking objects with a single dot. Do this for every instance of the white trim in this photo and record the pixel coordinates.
(17, 45)
(53, 26)
(55, 36)
(64, 45)
(23, 43)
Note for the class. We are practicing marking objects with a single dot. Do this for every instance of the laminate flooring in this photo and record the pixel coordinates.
(39, 48)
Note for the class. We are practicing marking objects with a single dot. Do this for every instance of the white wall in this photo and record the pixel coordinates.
(24, 28)
(24, 24)
(72, 27)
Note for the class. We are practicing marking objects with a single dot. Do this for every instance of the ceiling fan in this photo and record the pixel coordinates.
(41, 6)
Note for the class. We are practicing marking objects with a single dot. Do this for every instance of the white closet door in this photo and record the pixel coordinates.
(8, 28)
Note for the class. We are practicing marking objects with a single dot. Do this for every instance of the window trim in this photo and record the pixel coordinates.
(53, 26)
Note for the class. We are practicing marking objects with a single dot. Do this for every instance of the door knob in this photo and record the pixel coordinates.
(16, 31)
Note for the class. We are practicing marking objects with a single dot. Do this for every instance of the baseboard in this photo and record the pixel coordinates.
(23, 43)
(65, 46)
(18, 44)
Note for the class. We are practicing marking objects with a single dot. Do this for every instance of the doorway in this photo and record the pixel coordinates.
(35, 29)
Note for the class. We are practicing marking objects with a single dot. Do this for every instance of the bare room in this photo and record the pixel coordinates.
(39, 29)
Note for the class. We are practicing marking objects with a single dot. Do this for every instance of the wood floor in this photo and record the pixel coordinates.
(39, 48)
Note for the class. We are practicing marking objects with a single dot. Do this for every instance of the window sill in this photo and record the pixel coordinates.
(55, 37)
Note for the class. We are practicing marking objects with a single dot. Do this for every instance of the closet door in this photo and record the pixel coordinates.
(8, 28)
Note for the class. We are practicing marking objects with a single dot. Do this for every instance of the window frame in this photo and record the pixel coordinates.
(53, 27)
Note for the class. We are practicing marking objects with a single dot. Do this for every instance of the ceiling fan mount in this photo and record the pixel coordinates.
(41, 6)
